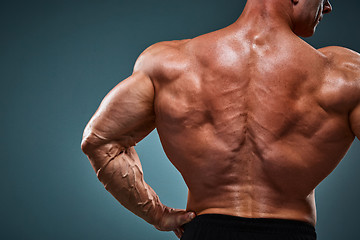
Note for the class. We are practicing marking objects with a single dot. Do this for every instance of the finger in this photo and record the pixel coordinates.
(185, 218)
(182, 229)
(178, 233)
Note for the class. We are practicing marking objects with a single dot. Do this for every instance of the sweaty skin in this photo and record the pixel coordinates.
(252, 116)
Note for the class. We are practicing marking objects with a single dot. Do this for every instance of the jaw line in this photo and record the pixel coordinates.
(318, 15)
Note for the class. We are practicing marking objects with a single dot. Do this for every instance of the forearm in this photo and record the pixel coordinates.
(121, 173)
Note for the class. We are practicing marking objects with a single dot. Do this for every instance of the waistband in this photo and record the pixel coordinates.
(264, 225)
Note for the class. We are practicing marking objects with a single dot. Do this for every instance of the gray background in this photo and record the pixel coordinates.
(58, 59)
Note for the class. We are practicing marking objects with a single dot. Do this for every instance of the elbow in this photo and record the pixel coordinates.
(86, 146)
(89, 142)
(85, 143)
(99, 152)
(93, 145)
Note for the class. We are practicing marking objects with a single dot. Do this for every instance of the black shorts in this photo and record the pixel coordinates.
(224, 227)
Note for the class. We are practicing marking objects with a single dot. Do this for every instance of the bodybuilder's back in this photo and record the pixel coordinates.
(253, 122)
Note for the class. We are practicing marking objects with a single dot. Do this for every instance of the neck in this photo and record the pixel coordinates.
(274, 14)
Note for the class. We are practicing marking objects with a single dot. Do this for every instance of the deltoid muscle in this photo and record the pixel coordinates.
(122, 176)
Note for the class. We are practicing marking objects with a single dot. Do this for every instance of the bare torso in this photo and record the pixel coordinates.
(253, 120)
(253, 117)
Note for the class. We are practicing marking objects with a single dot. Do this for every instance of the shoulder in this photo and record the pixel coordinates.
(344, 70)
(342, 56)
(343, 61)
(161, 57)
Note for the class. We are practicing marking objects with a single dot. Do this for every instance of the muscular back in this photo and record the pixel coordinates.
(253, 121)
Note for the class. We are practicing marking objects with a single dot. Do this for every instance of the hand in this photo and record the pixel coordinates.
(173, 219)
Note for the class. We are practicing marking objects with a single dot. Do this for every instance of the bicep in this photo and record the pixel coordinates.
(355, 121)
(126, 114)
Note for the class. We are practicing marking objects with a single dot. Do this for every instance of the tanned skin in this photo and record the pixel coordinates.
(252, 116)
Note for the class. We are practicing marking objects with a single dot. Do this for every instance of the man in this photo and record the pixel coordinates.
(252, 116)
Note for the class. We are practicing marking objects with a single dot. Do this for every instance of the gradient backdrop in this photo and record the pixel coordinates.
(58, 59)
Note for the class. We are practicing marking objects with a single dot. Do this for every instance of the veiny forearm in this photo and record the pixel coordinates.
(122, 175)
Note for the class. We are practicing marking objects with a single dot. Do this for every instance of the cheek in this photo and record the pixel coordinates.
(316, 14)
(320, 9)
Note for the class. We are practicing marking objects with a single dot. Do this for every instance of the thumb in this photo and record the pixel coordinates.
(186, 217)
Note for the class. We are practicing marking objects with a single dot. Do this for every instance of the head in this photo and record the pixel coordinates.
(307, 14)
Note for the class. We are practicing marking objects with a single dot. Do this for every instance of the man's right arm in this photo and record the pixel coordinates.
(125, 117)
